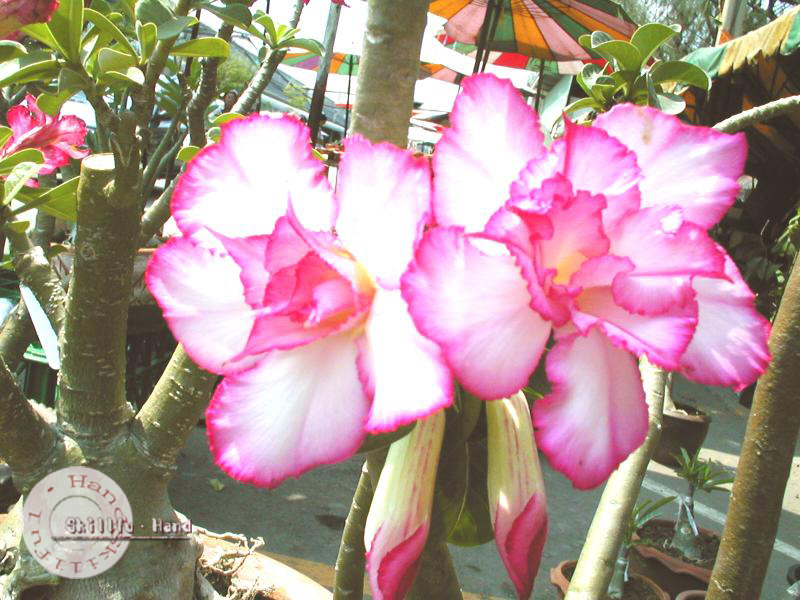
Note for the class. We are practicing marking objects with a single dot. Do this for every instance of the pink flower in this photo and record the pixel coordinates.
(308, 327)
(599, 240)
(15, 14)
(400, 514)
(516, 490)
(57, 137)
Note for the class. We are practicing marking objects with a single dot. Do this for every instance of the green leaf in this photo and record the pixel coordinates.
(109, 59)
(624, 54)
(52, 103)
(187, 153)
(474, 524)
(588, 76)
(41, 33)
(173, 27)
(583, 104)
(69, 81)
(126, 77)
(36, 66)
(19, 176)
(202, 47)
(304, 43)
(19, 226)
(60, 201)
(648, 38)
(376, 441)
(462, 417)
(681, 72)
(213, 134)
(269, 28)
(104, 24)
(237, 15)
(5, 133)
(225, 117)
(153, 11)
(26, 155)
(147, 34)
(66, 25)
(10, 49)
(672, 104)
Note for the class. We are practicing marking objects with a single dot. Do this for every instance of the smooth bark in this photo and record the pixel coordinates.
(603, 541)
(765, 461)
(388, 70)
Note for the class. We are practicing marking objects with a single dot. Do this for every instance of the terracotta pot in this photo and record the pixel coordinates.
(681, 430)
(561, 582)
(691, 595)
(671, 573)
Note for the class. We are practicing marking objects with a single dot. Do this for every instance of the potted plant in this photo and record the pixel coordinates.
(679, 555)
(624, 585)
(684, 426)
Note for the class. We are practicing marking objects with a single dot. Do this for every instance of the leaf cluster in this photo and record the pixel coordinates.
(701, 474)
(632, 73)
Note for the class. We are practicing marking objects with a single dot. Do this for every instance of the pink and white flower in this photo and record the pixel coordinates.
(400, 514)
(517, 499)
(308, 326)
(57, 137)
(599, 241)
(15, 14)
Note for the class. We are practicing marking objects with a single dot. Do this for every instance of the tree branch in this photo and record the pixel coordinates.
(765, 461)
(265, 70)
(349, 580)
(388, 70)
(92, 379)
(157, 214)
(205, 94)
(759, 114)
(604, 539)
(16, 335)
(174, 407)
(26, 439)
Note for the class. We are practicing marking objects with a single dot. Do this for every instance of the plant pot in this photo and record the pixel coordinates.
(263, 576)
(685, 428)
(560, 576)
(691, 595)
(673, 574)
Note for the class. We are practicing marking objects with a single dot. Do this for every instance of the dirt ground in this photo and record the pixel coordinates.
(302, 519)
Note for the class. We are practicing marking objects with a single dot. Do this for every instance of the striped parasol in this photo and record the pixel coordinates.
(545, 29)
(341, 64)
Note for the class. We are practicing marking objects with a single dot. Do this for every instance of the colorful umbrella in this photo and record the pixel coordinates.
(341, 64)
(545, 29)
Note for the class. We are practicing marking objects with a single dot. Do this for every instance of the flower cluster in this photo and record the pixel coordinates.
(57, 137)
(334, 314)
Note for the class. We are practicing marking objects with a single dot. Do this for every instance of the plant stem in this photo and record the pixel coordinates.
(604, 539)
(318, 98)
(765, 461)
(349, 583)
(173, 408)
(26, 439)
(388, 70)
(205, 93)
(759, 114)
(156, 214)
(265, 71)
(16, 335)
(92, 379)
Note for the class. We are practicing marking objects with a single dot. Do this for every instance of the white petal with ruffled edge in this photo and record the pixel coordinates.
(403, 371)
(494, 134)
(203, 301)
(476, 306)
(384, 204)
(729, 346)
(241, 186)
(293, 411)
(694, 167)
(596, 414)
